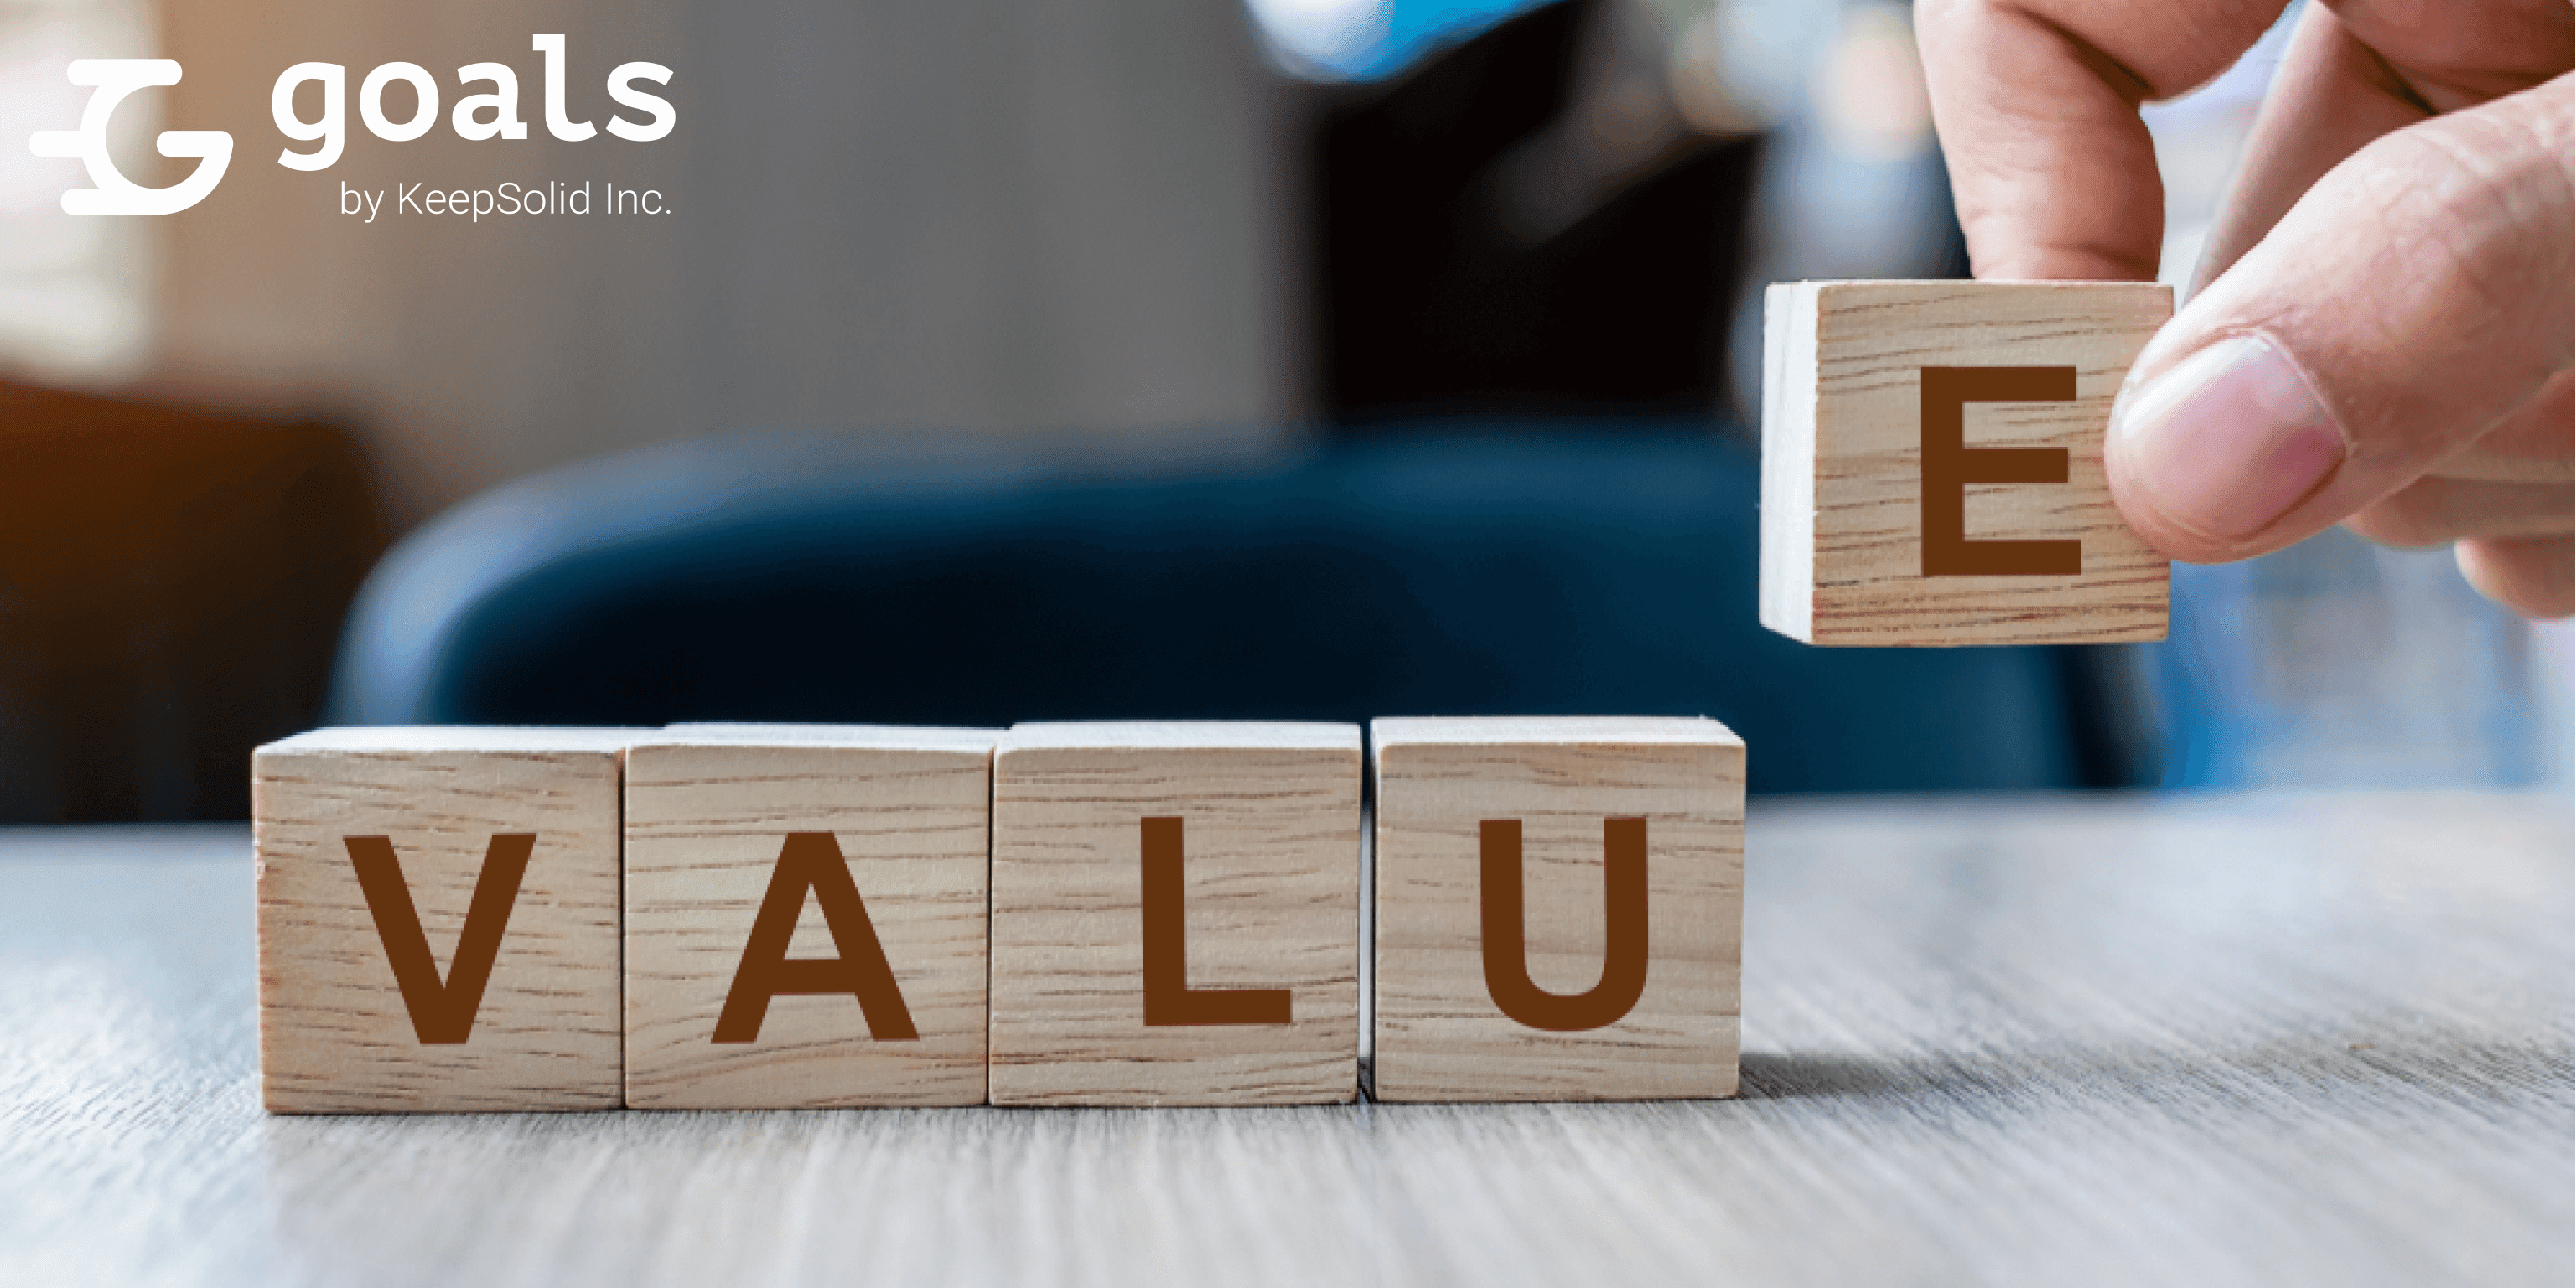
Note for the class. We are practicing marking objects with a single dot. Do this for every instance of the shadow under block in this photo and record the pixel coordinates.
(1623, 840)
(805, 916)
(1932, 463)
(1176, 914)
(438, 919)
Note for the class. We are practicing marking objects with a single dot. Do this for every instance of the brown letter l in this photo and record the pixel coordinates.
(812, 861)
(1950, 465)
(1623, 966)
(441, 1014)
(1169, 999)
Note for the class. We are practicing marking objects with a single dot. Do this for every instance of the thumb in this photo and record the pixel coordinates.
(2419, 293)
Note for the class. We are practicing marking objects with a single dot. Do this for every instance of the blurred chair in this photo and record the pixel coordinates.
(1605, 569)
(172, 584)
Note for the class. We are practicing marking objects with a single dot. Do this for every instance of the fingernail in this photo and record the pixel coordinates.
(2228, 439)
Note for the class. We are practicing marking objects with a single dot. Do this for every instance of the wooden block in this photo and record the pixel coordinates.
(1932, 463)
(805, 916)
(1176, 914)
(438, 919)
(1559, 908)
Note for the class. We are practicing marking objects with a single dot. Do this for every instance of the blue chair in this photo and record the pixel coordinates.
(1598, 569)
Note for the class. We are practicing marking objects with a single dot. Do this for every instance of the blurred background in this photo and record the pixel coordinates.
(1008, 359)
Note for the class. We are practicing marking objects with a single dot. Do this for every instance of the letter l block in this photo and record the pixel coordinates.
(438, 919)
(1176, 914)
(1558, 908)
(1932, 463)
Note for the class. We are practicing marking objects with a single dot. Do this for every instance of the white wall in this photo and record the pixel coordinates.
(988, 216)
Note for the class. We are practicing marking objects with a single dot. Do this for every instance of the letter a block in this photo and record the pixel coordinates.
(438, 919)
(805, 917)
(1932, 463)
(1559, 908)
(1176, 914)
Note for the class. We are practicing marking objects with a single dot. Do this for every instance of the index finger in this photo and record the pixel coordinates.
(2037, 102)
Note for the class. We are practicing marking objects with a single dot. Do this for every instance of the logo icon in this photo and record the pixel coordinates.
(114, 78)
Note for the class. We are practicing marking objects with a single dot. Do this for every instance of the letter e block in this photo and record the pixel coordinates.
(438, 919)
(1176, 914)
(1932, 463)
(1559, 908)
(805, 923)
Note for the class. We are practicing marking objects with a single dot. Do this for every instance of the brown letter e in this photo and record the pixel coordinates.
(812, 861)
(1623, 898)
(441, 1013)
(1950, 465)
(1169, 999)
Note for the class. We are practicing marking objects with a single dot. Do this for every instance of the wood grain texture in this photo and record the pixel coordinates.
(708, 811)
(1439, 1033)
(335, 1033)
(1272, 827)
(2109, 1041)
(1842, 462)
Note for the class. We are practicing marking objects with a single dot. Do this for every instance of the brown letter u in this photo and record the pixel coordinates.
(1623, 966)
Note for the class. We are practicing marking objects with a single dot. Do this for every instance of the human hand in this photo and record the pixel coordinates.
(2383, 335)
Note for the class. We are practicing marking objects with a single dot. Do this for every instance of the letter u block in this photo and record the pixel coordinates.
(438, 919)
(805, 916)
(1176, 914)
(1932, 463)
(1559, 908)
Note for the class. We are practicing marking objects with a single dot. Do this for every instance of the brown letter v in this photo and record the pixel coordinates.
(441, 1013)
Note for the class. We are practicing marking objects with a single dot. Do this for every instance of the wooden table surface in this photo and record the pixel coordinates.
(2259, 1040)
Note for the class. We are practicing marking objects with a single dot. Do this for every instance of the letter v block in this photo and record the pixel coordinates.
(805, 916)
(1559, 908)
(1932, 463)
(1176, 914)
(438, 919)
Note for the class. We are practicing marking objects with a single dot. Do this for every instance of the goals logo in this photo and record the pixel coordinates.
(114, 194)
(477, 117)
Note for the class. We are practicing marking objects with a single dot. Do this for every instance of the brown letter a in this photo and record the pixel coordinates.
(812, 861)
(1623, 968)
(441, 1014)
(1950, 465)
(1169, 999)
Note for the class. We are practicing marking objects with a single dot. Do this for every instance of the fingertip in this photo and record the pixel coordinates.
(2209, 455)
(2534, 577)
(2140, 513)
(2161, 531)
